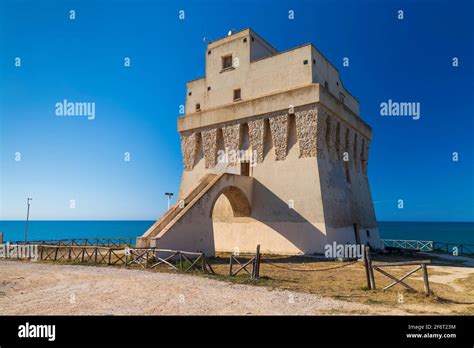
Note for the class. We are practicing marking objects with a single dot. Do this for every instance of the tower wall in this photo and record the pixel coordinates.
(304, 194)
(308, 143)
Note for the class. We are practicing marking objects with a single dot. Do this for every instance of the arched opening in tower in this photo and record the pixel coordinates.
(231, 219)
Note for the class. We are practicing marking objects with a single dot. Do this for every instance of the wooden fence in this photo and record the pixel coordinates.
(174, 259)
(104, 242)
(370, 267)
(244, 262)
(145, 258)
(83, 254)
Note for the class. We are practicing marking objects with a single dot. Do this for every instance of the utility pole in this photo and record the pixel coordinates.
(27, 218)
(169, 195)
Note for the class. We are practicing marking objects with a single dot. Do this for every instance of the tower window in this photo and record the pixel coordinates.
(245, 168)
(236, 94)
(209, 88)
(198, 107)
(245, 39)
(314, 61)
(305, 61)
(326, 85)
(227, 62)
(190, 93)
(209, 52)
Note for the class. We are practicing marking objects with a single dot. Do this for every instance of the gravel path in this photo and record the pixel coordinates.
(47, 289)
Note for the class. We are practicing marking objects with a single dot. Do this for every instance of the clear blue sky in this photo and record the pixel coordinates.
(136, 108)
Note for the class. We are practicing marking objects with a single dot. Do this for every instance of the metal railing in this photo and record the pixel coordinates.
(461, 249)
(420, 245)
(426, 245)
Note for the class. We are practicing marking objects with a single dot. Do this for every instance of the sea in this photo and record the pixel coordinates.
(443, 232)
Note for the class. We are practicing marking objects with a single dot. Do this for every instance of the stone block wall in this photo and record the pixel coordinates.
(320, 133)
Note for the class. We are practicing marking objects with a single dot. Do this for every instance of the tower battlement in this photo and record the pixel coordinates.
(246, 62)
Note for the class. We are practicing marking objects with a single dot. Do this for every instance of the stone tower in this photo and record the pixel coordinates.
(274, 153)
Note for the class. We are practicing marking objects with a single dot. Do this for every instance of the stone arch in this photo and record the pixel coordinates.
(236, 199)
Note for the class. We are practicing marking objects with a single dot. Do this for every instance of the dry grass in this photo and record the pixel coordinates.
(349, 283)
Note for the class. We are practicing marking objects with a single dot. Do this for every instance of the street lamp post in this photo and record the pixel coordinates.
(169, 195)
(27, 218)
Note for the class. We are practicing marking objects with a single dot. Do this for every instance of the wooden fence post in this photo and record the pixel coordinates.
(425, 279)
(56, 253)
(256, 269)
(203, 263)
(366, 264)
(230, 265)
(371, 270)
(259, 262)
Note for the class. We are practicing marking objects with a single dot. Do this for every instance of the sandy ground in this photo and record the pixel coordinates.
(450, 277)
(29, 288)
(452, 274)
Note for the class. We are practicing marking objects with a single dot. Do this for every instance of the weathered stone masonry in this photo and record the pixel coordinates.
(257, 137)
(319, 133)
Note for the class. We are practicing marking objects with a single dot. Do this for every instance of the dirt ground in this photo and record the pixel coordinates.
(34, 288)
(29, 288)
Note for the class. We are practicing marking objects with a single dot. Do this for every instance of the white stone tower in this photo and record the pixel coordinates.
(274, 153)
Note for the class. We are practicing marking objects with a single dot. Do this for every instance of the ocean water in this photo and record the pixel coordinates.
(449, 232)
(53, 230)
(443, 232)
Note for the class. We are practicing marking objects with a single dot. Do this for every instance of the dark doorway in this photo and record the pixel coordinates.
(245, 168)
